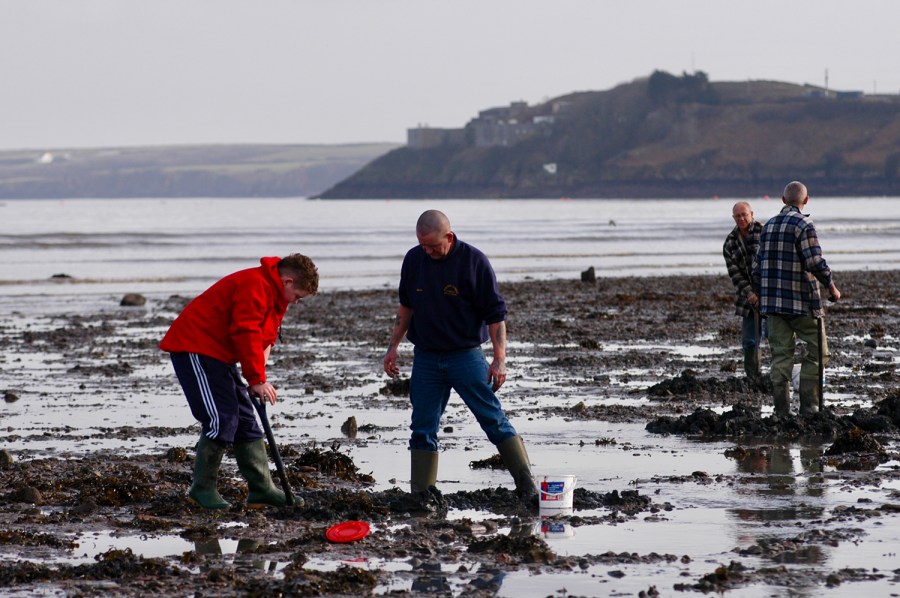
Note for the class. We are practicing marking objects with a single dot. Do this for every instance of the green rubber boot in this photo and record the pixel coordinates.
(423, 466)
(253, 464)
(206, 474)
(516, 460)
(810, 396)
(781, 392)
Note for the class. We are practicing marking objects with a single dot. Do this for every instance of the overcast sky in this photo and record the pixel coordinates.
(95, 73)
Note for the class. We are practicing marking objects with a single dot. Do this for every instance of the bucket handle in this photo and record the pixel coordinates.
(574, 482)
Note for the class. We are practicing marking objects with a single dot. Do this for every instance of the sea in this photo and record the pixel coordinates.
(66, 254)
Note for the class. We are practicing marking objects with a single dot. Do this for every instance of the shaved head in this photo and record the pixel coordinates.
(432, 221)
(795, 194)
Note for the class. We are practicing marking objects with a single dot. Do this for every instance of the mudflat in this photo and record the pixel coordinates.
(618, 376)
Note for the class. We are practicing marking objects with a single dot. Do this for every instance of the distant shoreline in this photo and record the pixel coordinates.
(190, 171)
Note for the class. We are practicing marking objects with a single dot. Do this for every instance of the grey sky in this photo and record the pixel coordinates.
(90, 73)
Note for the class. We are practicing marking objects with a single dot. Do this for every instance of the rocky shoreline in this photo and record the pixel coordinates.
(576, 346)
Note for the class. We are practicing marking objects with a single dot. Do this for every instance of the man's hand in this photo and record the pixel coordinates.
(497, 374)
(833, 293)
(390, 363)
(265, 391)
(753, 299)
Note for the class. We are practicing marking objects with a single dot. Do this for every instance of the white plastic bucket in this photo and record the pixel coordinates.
(556, 492)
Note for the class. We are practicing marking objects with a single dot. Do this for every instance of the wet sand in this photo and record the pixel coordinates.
(634, 384)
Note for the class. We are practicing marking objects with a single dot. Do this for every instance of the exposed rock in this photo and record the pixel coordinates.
(133, 300)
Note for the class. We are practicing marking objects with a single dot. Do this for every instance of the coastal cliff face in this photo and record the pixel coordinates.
(657, 137)
(662, 136)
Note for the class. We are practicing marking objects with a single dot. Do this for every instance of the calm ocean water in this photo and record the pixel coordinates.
(160, 247)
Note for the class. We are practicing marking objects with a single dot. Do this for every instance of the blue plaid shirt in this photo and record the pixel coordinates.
(788, 264)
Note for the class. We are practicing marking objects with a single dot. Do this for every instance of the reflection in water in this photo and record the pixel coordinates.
(433, 585)
(487, 582)
(781, 479)
(207, 546)
(803, 555)
(549, 529)
(244, 554)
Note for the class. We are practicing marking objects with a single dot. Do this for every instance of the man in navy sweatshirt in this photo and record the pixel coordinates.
(450, 305)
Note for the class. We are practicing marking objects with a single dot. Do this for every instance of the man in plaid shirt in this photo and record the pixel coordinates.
(739, 250)
(786, 275)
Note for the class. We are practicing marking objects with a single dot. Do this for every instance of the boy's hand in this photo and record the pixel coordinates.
(265, 391)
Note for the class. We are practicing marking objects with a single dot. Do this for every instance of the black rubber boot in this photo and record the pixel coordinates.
(516, 460)
(206, 474)
(751, 368)
(253, 463)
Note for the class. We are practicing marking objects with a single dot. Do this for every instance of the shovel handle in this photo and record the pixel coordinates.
(820, 331)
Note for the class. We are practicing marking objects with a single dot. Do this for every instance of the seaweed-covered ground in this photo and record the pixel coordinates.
(685, 480)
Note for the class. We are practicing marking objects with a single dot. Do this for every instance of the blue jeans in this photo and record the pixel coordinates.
(434, 374)
(750, 337)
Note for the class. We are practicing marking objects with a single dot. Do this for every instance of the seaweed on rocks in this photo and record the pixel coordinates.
(690, 384)
(742, 420)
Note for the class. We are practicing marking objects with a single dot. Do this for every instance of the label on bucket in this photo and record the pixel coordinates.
(552, 490)
(553, 528)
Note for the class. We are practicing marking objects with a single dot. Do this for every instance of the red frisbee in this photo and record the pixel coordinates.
(348, 531)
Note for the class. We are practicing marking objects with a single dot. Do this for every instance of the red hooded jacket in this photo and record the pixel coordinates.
(234, 320)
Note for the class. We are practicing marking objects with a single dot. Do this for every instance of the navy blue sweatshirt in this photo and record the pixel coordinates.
(452, 300)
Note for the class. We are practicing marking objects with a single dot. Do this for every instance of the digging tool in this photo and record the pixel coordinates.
(757, 338)
(260, 405)
(820, 331)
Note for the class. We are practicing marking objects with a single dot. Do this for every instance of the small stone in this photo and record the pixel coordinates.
(133, 300)
(28, 494)
(85, 508)
(589, 275)
(176, 454)
(349, 427)
(10, 397)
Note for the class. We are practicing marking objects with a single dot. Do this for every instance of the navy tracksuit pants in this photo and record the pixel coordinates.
(218, 398)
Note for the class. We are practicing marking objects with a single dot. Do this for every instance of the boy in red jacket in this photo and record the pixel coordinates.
(235, 321)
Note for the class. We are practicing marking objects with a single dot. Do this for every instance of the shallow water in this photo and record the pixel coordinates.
(160, 247)
(68, 413)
